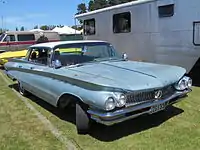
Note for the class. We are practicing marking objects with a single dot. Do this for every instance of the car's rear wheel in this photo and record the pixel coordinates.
(82, 119)
(21, 89)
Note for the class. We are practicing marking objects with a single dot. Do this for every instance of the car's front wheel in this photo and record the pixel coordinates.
(82, 119)
(21, 89)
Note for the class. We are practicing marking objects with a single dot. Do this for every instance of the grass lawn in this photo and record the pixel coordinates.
(177, 128)
(19, 127)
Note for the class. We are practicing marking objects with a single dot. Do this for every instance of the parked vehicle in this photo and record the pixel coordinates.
(5, 56)
(19, 40)
(158, 31)
(105, 87)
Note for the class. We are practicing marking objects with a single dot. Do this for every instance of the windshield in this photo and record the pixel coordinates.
(72, 54)
(1, 37)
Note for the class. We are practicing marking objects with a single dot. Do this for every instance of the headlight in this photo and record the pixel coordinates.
(184, 83)
(122, 100)
(110, 104)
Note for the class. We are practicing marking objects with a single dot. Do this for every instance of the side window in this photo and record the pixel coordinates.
(166, 11)
(10, 38)
(89, 27)
(196, 33)
(39, 55)
(26, 37)
(122, 22)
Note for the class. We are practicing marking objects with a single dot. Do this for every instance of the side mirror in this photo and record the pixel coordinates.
(125, 56)
(56, 64)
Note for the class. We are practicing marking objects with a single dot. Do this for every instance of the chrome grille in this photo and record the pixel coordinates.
(141, 96)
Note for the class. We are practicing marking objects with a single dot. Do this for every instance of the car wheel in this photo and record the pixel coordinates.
(82, 119)
(22, 91)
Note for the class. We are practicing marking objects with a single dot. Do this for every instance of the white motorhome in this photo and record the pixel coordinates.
(160, 31)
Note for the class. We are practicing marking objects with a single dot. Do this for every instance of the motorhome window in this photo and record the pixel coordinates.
(10, 37)
(196, 33)
(26, 37)
(122, 22)
(166, 11)
(89, 27)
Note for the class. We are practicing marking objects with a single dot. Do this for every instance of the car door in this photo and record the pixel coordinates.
(38, 79)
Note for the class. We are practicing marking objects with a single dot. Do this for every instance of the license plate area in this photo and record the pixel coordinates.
(157, 108)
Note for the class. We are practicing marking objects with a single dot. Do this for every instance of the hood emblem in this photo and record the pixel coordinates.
(158, 94)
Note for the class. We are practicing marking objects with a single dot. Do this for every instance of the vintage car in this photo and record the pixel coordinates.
(102, 85)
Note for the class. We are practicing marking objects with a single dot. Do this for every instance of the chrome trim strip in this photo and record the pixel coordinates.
(110, 118)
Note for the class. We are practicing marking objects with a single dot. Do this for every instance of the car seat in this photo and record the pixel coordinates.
(33, 55)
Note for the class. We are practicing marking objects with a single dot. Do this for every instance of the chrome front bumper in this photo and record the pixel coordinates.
(110, 118)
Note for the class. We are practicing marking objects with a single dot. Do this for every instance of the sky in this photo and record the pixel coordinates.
(28, 13)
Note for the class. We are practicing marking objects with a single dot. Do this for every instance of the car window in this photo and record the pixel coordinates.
(71, 54)
(10, 37)
(39, 55)
(26, 37)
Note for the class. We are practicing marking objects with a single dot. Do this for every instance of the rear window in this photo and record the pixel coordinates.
(26, 37)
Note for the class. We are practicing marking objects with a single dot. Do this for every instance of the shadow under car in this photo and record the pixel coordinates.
(114, 132)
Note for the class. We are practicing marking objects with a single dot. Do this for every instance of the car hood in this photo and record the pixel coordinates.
(128, 75)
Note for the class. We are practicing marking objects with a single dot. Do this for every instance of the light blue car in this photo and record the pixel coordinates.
(105, 87)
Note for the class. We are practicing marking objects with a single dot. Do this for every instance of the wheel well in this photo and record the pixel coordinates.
(68, 99)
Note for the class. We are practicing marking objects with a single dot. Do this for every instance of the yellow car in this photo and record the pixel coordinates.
(5, 56)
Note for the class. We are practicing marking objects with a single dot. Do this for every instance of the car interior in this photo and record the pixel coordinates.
(71, 58)
(39, 56)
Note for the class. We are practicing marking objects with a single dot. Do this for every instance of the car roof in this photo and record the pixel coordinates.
(54, 44)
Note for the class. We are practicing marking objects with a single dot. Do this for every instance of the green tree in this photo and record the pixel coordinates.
(98, 4)
(22, 28)
(44, 27)
(114, 2)
(81, 8)
(91, 6)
